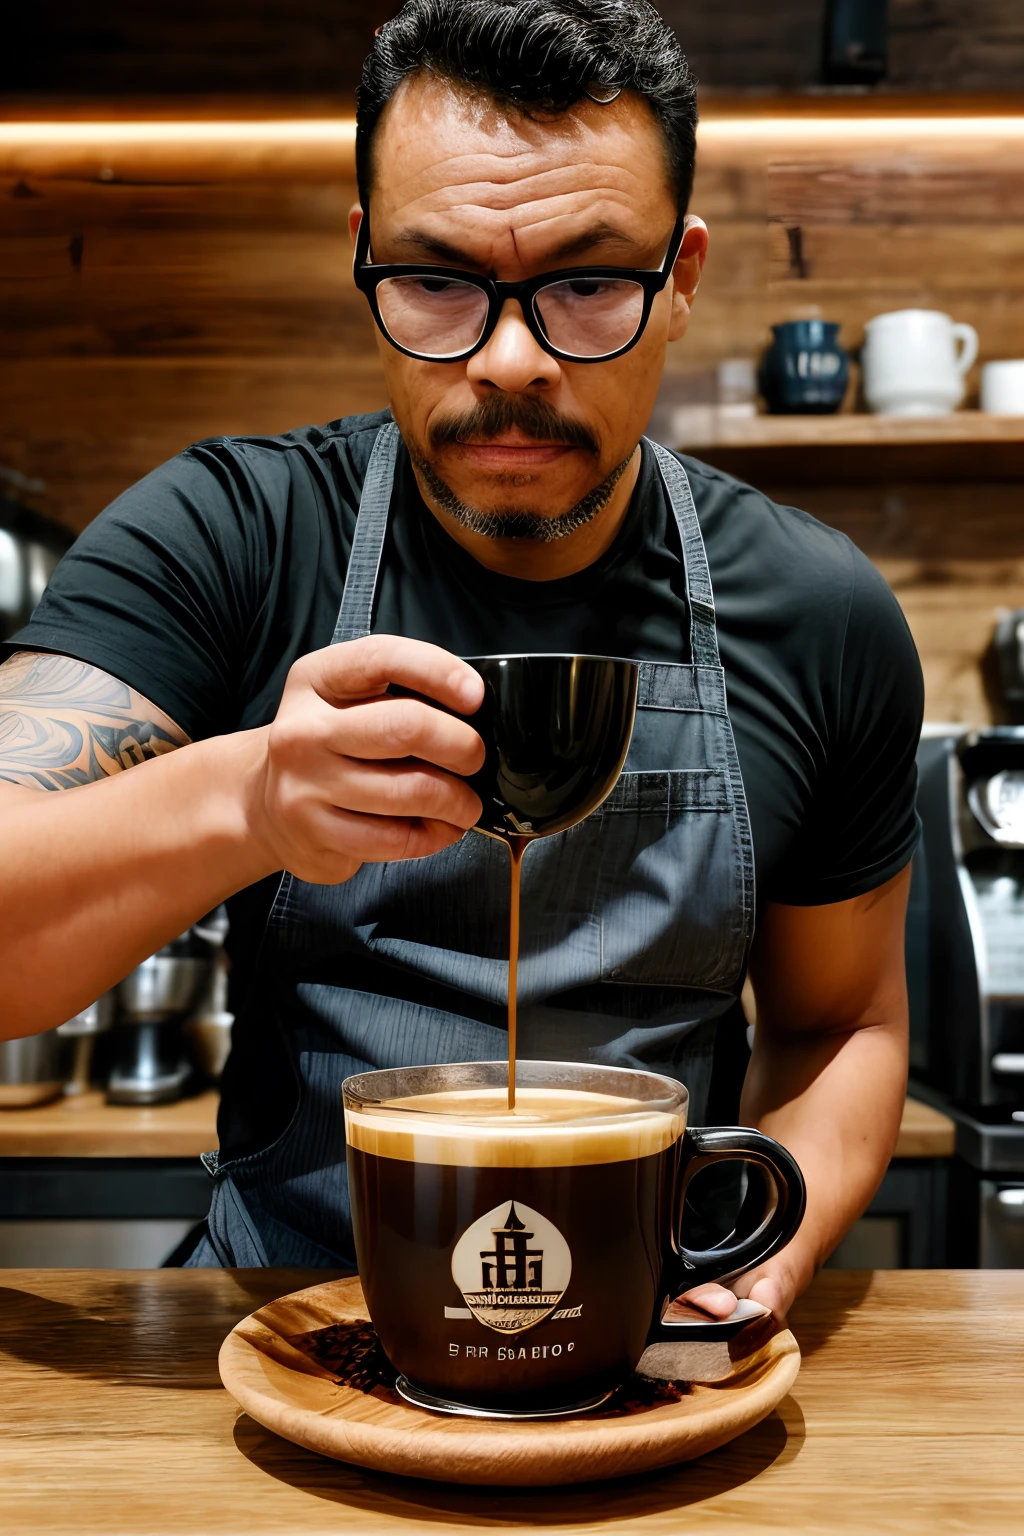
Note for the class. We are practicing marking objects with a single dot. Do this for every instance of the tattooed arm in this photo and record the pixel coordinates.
(97, 877)
(63, 723)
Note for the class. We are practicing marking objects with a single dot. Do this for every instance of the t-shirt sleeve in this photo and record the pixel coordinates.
(863, 825)
(160, 588)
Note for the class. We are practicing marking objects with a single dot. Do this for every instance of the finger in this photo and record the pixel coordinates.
(390, 728)
(715, 1300)
(409, 790)
(770, 1294)
(378, 839)
(363, 669)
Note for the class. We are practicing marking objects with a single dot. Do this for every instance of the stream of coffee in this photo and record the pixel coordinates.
(516, 849)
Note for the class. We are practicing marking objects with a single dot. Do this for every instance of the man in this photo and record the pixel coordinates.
(522, 237)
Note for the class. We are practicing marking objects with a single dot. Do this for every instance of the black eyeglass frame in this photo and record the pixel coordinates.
(368, 275)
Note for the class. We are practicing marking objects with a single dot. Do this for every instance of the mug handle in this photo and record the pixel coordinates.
(786, 1199)
(967, 336)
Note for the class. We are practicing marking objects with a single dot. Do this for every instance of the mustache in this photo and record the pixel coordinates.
(500, 413)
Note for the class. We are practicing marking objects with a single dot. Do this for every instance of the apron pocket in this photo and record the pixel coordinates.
(671, 894)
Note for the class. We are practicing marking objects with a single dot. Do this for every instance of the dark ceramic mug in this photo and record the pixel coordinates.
(517, 1265)
(805, 370)
(557, 729)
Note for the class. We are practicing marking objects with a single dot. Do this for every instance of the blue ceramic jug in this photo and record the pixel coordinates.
(805, 370)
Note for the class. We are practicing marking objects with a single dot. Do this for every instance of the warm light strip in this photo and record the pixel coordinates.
(283, 131)
(794, 130)
(341, 130)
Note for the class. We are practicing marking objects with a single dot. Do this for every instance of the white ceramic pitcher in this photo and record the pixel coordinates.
(914, 361)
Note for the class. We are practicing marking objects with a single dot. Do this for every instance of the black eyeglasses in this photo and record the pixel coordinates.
(444, 315)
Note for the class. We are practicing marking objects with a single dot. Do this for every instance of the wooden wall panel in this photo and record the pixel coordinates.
(980, 180)
(927, 225)
(952, 552)
(730, 314)
(144, 293)
(952, 620)
(950, 45)
(931, 255)
(137, 317)
(89, 427)
(748, 45)
(124, 47)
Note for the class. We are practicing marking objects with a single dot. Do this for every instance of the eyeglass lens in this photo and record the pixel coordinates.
(439, 317)
(590, 316)
(432, 315)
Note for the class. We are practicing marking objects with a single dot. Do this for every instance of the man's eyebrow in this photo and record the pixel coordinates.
(597, 234)
(433, 246)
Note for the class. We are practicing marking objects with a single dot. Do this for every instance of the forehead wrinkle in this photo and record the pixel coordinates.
(468, 212)
(469, 182)
(529, 236)
(456, 134)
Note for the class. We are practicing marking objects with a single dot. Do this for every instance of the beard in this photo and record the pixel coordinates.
(534, 418)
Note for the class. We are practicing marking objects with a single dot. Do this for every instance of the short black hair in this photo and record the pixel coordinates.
(537, 55)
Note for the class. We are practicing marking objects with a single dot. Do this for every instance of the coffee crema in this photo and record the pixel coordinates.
(549, 1128)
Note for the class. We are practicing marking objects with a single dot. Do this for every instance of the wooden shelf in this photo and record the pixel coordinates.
(87, 1126)
(968, 445)
(859, 430)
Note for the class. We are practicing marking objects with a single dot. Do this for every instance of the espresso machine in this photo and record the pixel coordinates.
(152, 1061)
(965, 973)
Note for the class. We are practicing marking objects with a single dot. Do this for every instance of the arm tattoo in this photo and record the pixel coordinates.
(63, 723)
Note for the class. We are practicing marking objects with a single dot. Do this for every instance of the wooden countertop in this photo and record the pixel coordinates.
(925, 1132)
(88, 1127)
(906, 1418)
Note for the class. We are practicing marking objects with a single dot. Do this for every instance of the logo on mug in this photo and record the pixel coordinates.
(512, 1267)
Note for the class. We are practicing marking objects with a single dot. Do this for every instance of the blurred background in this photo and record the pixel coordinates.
(174, 263)
(153, 292)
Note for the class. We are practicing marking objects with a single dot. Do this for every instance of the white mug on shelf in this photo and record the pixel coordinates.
(1002, 387)
(914, 361)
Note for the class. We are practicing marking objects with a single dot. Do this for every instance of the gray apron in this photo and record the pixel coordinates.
(636, 926)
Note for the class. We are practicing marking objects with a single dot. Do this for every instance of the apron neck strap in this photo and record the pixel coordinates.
(355, 616)
(699, 596)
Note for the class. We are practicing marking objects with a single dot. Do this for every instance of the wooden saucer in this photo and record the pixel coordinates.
(307, 1367)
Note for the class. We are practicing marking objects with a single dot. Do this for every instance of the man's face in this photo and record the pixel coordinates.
(460, 182)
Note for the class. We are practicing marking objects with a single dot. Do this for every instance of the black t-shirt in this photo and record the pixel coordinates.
(203, 583)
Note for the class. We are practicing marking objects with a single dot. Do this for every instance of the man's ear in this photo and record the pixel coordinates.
(355, 218)
(686, 274)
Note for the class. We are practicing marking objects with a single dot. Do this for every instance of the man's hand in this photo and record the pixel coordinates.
(771, 1284)
(349, 774)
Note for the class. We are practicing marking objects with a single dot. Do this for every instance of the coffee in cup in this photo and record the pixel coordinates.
(556, 729)
(517, 1264)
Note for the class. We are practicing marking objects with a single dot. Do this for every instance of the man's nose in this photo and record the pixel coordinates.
(511, 359)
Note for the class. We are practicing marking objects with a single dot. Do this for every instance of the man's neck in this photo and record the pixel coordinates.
(531, 560)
